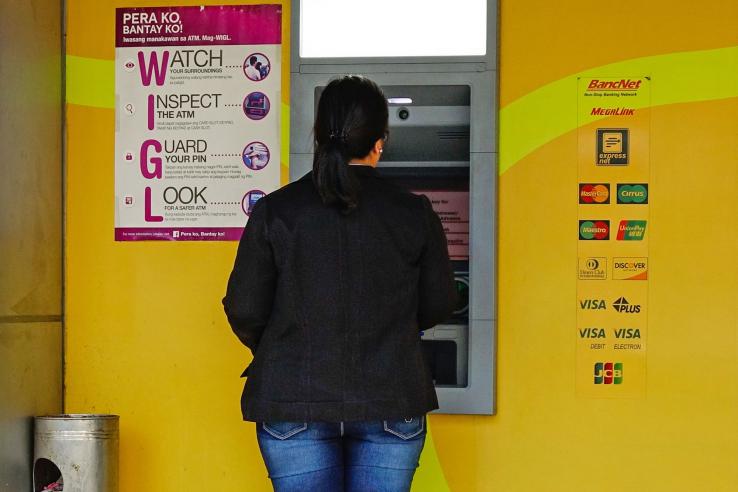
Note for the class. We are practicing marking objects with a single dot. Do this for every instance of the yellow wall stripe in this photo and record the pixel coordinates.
(90, 82)
(546, 113)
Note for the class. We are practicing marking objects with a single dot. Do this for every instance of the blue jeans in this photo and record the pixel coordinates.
(365, 456)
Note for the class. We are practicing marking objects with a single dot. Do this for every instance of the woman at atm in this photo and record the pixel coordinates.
(335, 276)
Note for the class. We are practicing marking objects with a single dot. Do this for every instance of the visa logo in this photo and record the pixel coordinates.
(593, 304)
(627, 333)
(591, 333)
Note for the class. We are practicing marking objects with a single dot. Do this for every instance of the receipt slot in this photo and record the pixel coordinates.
(443, 144)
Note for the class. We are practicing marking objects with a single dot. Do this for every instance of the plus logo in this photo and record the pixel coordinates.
(622, 305)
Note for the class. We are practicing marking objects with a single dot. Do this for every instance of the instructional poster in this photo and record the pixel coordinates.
(613, 233)
(196, 119)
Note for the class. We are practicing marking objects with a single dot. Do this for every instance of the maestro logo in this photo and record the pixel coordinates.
(608, 373)
(612, 147)
(622, 305)
(594, 230)
(592, 268)
(594, 193)
(632, 193)
(630, 268)
(631, 230)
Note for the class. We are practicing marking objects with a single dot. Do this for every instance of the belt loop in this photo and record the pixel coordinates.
(342, 428)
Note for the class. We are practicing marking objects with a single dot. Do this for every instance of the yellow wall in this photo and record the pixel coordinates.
(146, 337)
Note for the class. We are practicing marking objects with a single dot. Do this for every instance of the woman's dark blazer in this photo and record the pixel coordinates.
(331, 305)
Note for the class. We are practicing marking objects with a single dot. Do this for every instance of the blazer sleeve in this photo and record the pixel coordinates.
(250, 292)
(437, 287)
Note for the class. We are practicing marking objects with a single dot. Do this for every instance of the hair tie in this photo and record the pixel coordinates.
(340, 136)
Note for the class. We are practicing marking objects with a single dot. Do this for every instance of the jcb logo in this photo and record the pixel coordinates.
(608, 373)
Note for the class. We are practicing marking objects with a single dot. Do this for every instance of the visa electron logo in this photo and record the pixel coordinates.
(622, 305)
(608, 373)
(614, 85)
(594, 230)
(636, 193)
(594, 193)
(631, 230)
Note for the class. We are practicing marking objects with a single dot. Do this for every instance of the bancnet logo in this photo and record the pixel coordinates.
(614, 85)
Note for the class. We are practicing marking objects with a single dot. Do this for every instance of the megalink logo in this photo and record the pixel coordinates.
(608, 373)
(612, 147)
(633, 268)
(622, 305)
(631, 230)
(594, 193)
(632, 193)
(594, 230)
(591, 268)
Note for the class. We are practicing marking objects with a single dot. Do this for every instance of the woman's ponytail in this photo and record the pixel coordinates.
(336, 184)
(352, 115)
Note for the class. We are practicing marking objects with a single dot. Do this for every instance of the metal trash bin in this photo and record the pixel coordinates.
(76, 453)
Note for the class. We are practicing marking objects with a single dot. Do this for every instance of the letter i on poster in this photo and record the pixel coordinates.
(197, 119)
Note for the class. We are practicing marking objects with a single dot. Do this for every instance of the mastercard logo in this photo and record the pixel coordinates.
(594, 193)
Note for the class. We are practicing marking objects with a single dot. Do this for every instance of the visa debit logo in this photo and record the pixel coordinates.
(608, 373)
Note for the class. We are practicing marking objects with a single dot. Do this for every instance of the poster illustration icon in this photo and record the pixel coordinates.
(256, 105)
(256, 67)
(255, 156)
(249, 200)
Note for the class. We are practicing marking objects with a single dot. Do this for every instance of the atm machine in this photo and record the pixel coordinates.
(443, 143)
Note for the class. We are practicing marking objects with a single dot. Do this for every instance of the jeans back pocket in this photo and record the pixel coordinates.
(283, 430)
(405, 428)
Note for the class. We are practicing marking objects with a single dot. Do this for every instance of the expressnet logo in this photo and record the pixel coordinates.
(631, 230)
(632, 193)
(608, 373)
(594, 230)
(614, 85)
(630, 268)
(612, 147)
(597, 193)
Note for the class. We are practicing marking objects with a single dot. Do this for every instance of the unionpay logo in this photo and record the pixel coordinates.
(633, 193)
(608, 373)
(594, 230)
(594, 193)
(631, 230)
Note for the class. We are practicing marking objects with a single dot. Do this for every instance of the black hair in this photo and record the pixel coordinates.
(352, 115)
(252, 60)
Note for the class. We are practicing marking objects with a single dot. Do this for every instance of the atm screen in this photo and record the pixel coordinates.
(452, 206)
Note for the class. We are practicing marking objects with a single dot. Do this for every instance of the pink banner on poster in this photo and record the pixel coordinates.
(198, 26)
(178, 233)
(453, 209)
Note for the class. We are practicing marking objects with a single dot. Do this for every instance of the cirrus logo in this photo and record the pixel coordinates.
(632, 193)
(594, 230)
(594, 193)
